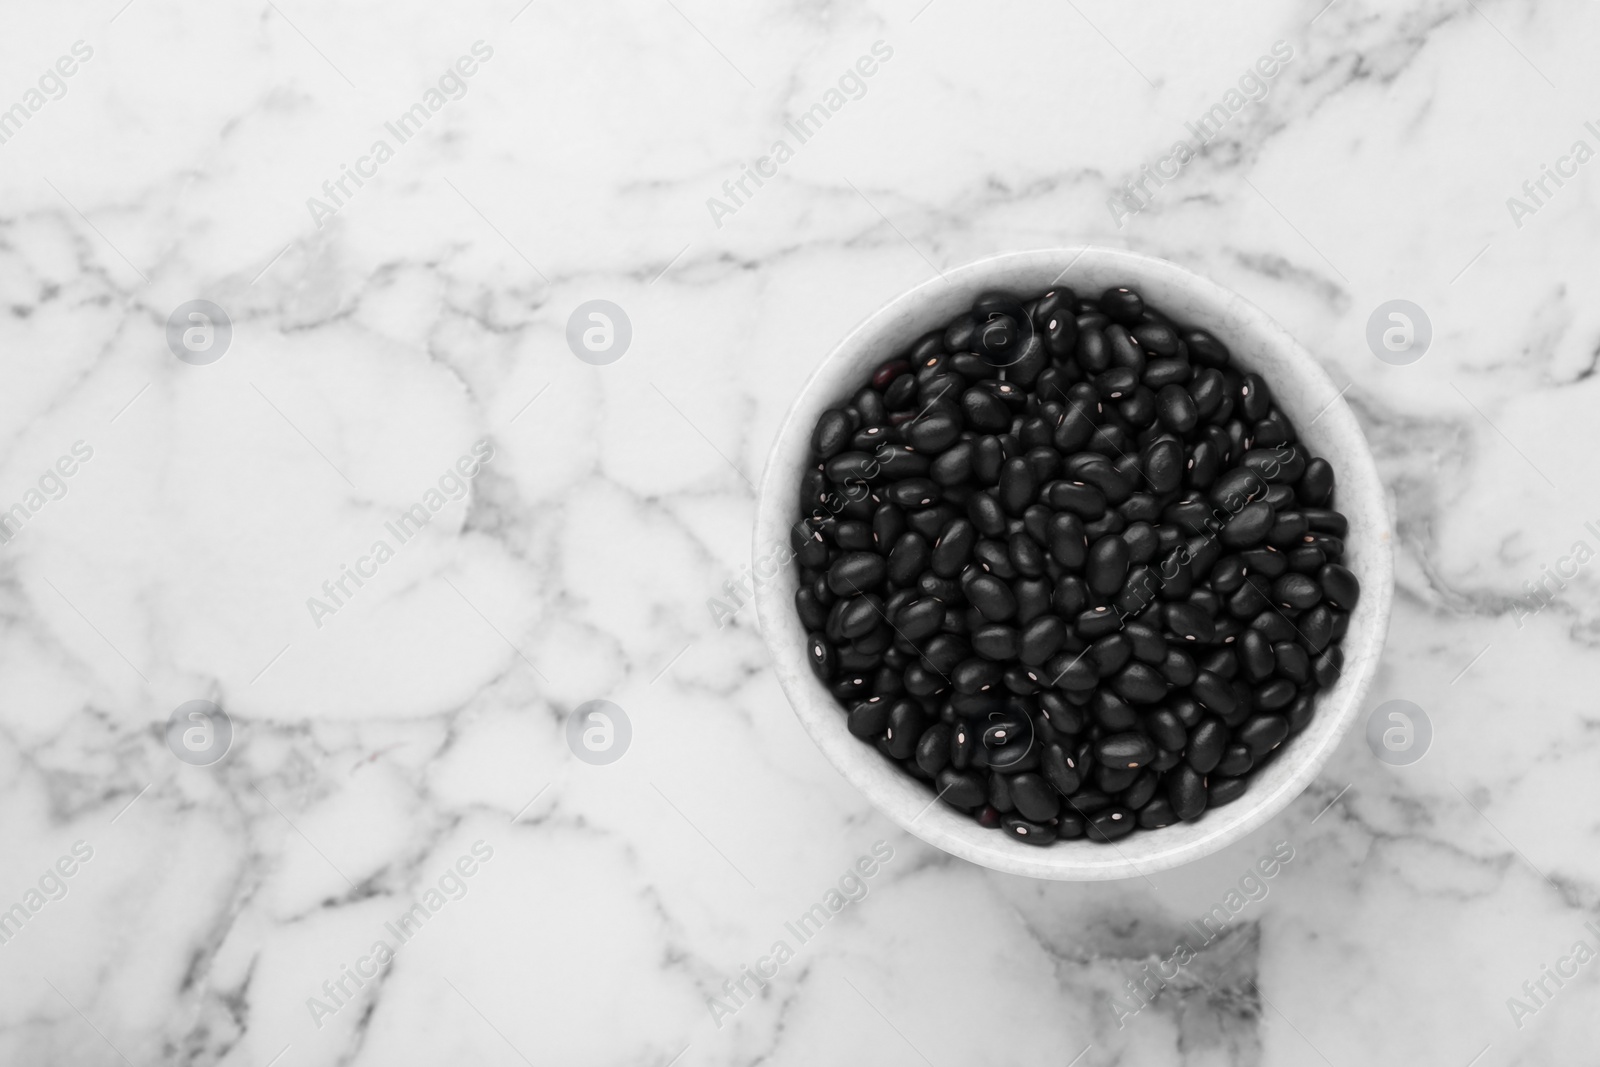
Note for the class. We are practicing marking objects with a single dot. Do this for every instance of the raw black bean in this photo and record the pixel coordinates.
(986, 515)
(1207, 744)
(1255, 656)
(1325, 668)
(1087, 802)
(1043, 462)
(1225, 791)
(856, 572)
(992, 597)
(1206, 349)
(1107, 565)
(1109, 653)
(900, 395)
(1249, 527)
(1330, 546)
(984, 411)
(822, 656)
(1299, 713)
(1186, 792)
(853, 536)
(1316, 627)
(1179, 668)
(1033, 598)
(1060, 769)
(1266, 562)
(1222, 662)
(1041, 639)
(898, 461)
(1164, 465)
(1076, 498)
(1236, 760)
(914, 492)
(988, 455)
(1112, 824)
(930, 522)
(858, 616)
(975, 676)
(954, 548)
(1339, 586)
(933, 749)
(832, 433)
(1017, 485)
(869, 719)
(1288, 529)
(995, 641)
(1188, 711)
(962, 789)
(907, 722)
(1157, 813)
(1189, 622)
(1142, 791)
(1029, 832)
(935, 431)
(1296, 591)
(1291, 662)
(944, 652)
(1034, 797)
(1140, 684)
(1157, 338)
(1255, 397)
(923, 681)
(994, 558)
(909, 558)
(1000, 792)
(1324, 521)
(1143, 541)
(1122, 305)
(1315, 488)
(812, 614)
(1125, 750)
(1111, 712)
(1276, 694)
(1025, 555)
(954, 466)
(1166, 729)
(888, 523)
(1263, 733)
(1175, 407)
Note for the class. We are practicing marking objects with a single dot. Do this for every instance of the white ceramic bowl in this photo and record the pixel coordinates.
(1302, 391)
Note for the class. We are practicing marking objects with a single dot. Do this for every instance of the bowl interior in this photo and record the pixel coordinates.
(1301, 390)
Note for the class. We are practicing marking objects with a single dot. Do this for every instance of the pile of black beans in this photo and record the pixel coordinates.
(1067, 564)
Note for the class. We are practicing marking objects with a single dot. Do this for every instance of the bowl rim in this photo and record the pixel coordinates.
(896, 793)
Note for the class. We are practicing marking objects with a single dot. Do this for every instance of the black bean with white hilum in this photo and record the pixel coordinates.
(1067, 564)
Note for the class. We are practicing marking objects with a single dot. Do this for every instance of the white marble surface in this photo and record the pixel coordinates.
(428, 713)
